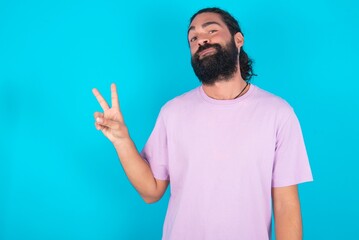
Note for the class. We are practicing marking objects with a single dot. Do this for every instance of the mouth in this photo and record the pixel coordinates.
(206, 52)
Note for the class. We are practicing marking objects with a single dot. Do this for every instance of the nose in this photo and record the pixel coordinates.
(203, 40)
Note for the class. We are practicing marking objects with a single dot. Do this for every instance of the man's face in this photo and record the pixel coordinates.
(214, 52)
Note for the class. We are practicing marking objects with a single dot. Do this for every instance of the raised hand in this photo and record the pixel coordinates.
(111, 122)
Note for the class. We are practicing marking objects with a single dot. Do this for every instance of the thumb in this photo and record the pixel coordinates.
(107, 122)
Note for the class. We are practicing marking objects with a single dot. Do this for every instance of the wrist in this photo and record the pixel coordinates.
(123, 143)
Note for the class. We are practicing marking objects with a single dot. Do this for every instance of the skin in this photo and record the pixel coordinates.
(209, 28)
(287, 214)
(205, 28)
(112, 125)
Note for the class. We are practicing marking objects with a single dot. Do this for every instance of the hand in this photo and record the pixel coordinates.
(110, 122)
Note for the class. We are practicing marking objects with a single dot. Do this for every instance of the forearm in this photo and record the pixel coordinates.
(288, 222)
(137, 170)
(112, 125)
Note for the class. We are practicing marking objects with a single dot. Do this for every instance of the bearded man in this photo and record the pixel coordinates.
(231, 151)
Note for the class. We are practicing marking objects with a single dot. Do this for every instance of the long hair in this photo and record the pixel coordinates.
(245, 62)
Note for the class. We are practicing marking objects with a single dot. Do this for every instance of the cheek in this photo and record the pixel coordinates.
(193, 49)
(221, 38)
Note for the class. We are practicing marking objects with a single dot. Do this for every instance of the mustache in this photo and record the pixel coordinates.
(206, 46)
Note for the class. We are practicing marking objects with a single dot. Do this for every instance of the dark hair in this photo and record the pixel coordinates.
(244, 61)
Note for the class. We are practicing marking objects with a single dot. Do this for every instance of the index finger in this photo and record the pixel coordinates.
(100, 99)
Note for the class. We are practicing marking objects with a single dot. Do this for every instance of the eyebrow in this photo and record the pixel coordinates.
(204, 25)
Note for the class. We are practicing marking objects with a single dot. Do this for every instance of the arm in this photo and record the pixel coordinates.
(112, 125)
(287, 215)
(139, 173)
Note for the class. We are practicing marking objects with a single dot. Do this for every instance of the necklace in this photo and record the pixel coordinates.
(242, 91)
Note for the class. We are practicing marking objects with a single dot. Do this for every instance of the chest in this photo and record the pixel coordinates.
(236, 143)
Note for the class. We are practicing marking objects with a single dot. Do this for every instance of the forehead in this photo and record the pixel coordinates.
(204, 18)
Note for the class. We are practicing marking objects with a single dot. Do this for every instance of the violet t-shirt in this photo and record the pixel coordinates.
(222, 157)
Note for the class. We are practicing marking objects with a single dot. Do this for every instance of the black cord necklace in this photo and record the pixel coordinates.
(242, 91)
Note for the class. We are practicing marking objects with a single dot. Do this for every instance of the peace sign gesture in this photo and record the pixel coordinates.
(110, 122)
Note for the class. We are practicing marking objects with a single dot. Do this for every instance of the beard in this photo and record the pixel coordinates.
(218, 66)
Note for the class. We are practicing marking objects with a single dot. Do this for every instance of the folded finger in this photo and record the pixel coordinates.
(98, 126)
(107, 123)
(98, 114)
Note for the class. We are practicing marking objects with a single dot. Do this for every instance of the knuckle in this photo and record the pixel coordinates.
(97, 114)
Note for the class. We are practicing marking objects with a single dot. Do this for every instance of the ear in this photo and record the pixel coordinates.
(239, 39)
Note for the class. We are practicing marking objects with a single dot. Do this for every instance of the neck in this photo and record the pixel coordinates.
(226, 89)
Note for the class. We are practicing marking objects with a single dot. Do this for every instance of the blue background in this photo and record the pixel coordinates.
(61, 179)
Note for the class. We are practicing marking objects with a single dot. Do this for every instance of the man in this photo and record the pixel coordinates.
(228, 148)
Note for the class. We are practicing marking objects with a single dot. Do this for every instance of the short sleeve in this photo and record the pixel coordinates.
(155, 151)
(291, 164)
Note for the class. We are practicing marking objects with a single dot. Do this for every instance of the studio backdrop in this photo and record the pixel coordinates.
(60, 178)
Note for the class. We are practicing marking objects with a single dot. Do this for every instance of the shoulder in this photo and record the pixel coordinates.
(273, 106)
(271, 101)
